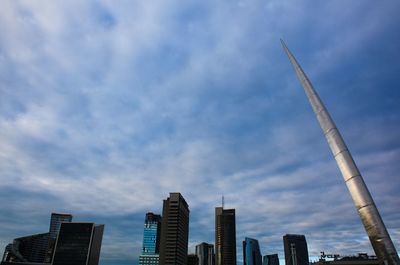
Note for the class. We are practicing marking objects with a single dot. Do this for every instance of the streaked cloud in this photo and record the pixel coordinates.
(107, 107)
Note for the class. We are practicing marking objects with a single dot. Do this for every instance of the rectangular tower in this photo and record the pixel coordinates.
(55, 223)
(271, 259)
(225, 236)
(205, 253)
(251, 252)
(296, 251)
(151, 240)
(175, 231)
(78, 244)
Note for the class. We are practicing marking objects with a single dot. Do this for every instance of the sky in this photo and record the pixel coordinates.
(107, 106)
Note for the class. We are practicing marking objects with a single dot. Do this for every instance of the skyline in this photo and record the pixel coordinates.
(105, 109)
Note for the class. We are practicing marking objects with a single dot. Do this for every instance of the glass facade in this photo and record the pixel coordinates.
(272, 259)
(29, 248)
(78, 244)
(151, 240)
(251, 252)
(205, 253)
(296, 251)
(55, 223)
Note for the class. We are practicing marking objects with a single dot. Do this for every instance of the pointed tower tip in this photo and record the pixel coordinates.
(286, 49)
(283, 44)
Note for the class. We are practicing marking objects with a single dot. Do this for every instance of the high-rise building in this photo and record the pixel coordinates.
(192, 259)
(225, 236)
(205, 253)
(271, 259)
(55, 223)
(296, 251)
(78, 244)
(36, 248)
(151, 240)
(31, 248)
(174, 231)
(251, 252)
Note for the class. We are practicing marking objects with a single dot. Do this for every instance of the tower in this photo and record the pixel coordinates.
(55, 223)
(271, 259)
(365, 205)
(251, 252)
(205, 253)
(296, 251)
(78, 244)
(225, 236)
(175, 231)
(151, 240)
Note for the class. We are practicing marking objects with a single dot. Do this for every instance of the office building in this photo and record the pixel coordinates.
(251, 252)
(78, 244)
(296, 251)
(205, 254)
(55, 223)
(225, 236)
(31, 248)
(192, 259)
(272, 259)
(151, 240)
(174, 231)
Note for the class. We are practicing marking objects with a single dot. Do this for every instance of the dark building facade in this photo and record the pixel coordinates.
(174, 231)
(151, 240)
(55, 223)
(251, 252)
(205, 253)
(272, 259)
(192, 259)
(296, 251)
(78, 244)
(225, 236)
(31, 248)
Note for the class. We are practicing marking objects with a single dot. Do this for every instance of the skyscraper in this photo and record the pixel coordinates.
(175, 231)
(205, 253)
(151, 240)
(55, 223)
(365, 205)
(271, 259)
(296, 251)
(36, 248)
(225, 236)
(31, 248)
(251, 252)
(78, 244)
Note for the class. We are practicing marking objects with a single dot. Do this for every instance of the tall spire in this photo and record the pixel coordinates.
(370, 217)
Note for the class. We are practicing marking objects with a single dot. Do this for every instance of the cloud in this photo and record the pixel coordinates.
(105, 108)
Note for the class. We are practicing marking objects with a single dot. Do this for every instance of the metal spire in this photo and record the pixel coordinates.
(370, 217)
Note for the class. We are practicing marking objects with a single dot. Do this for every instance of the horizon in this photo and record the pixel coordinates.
(105, 108)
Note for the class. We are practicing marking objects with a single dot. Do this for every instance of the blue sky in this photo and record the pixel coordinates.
(107, 106)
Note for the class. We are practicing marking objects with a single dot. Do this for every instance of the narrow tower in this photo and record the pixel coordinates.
(370, 217)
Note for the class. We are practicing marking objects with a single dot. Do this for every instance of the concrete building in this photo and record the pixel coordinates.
(225, 236)
(175, 231)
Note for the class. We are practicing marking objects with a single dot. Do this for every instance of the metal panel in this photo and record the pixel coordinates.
(370, 217)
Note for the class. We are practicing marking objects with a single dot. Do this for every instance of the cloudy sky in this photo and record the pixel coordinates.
(107, 106)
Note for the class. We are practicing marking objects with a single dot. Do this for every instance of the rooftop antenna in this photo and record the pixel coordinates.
(223, 201)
